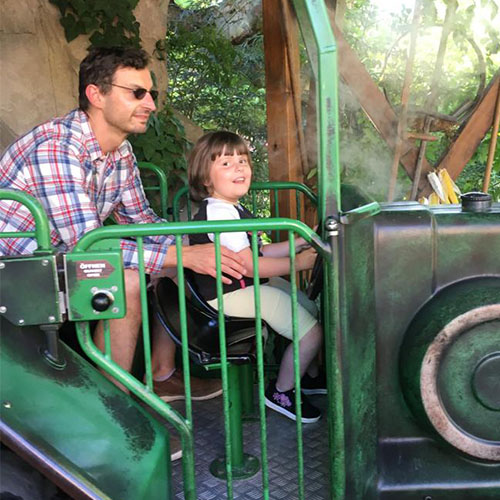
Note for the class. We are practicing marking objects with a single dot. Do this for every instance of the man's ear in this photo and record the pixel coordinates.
(94, 95)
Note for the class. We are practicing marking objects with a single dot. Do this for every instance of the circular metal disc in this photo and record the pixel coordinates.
(460, 380)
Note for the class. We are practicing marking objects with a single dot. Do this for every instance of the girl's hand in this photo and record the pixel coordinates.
(301, 243)
(305, 259)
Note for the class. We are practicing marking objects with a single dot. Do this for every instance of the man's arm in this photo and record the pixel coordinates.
(57, 179)
(200, 258)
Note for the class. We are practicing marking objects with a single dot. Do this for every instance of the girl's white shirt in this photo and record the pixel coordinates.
(223, 210)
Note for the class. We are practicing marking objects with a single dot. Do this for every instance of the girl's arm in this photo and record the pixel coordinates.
(277, 266)
(282, 249)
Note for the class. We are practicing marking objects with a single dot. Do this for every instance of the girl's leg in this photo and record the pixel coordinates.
(303, 299)
(309, 347)
(276, 310)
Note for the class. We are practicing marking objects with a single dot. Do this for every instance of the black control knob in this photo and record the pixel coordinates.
(101, 301)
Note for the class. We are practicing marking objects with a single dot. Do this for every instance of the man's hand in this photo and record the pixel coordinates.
(201, 259)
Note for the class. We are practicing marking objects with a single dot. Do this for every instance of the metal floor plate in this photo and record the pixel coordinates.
(281, 448)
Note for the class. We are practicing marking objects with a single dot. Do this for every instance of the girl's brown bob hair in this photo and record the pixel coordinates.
(207, 149)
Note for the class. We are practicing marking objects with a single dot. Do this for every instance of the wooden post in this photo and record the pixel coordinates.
(283, 145)
(493, 145)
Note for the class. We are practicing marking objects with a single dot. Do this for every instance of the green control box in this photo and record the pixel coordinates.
(95, 285)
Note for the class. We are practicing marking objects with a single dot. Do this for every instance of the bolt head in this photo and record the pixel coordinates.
(52, 319)
(115, 310)
(3, 309)
(21, 321)
(45, 262)
(2, 265)
(7, 404)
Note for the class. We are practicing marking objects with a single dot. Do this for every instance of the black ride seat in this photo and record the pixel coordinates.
(203, 325)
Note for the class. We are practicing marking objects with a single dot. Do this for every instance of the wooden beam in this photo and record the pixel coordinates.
(471, 134)
(283, 145)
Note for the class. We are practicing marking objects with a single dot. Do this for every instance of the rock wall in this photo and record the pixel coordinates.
(39, 68)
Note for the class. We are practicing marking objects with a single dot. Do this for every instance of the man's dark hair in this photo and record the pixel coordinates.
(100, 65)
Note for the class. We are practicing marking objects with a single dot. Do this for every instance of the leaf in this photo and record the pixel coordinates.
(71, 30)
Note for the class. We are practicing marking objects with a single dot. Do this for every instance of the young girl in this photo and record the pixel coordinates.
(220, 172)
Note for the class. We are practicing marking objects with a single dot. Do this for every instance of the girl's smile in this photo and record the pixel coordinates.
(230, 177)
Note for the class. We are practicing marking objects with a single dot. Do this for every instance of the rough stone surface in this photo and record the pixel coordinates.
(39, 68)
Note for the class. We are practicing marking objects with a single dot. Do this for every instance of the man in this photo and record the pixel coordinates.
(82, 169)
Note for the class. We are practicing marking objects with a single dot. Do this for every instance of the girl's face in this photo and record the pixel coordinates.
(230, 177)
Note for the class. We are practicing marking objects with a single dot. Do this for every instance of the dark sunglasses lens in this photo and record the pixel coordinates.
(140, 93)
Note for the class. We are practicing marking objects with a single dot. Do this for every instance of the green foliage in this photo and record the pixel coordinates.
(382, 45)
(164, 144)
(112, 23)
(471, 179)
(218, 85)
(108, 23)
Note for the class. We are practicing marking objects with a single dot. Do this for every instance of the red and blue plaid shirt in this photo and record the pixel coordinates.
(61, 164)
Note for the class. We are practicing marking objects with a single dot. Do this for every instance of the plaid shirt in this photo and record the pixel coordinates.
(61, 164)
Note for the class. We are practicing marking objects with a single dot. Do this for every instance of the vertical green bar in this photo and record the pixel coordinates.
(184, 332)
(276, 211)
(188, 206)
(145, 316)
(246, 382)
(224, 371)
(107, 339)
(260, 367)
(233, 383)
(296, 340)
(187, 440)
(254, 201)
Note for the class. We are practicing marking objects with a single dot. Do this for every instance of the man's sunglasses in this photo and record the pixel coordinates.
(139, 93)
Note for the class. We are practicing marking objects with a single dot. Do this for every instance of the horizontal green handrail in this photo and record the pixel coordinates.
(200, 227)
(297, 186)
(360, 213)
(255, 186)
(42, 228)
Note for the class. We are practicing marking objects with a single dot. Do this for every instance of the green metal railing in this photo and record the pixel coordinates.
(273, 187)
(160, 186)
(184, 425)
(41, 232)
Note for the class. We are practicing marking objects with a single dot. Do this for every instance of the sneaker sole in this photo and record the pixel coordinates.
(180, 397)
(289, 414)
(313, 392)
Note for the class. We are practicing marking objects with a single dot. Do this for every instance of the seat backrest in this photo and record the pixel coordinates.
(202, 327)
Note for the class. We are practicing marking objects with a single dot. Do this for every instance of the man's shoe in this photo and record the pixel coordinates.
(175, 447)
(316, 385)
(284, 403)
(173, 388)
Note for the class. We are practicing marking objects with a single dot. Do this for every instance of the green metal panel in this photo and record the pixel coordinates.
(92, 273)
(97, 433)
(30, 280)
(393, 263)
